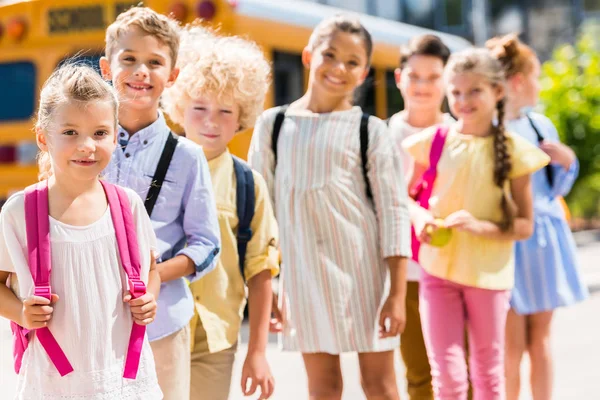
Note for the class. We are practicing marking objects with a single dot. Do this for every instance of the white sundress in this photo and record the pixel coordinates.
(333, 240)
(90, 321)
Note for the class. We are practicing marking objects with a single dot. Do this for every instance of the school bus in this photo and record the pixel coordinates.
(37, 35)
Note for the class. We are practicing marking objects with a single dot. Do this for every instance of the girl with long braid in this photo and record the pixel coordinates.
(482, 195)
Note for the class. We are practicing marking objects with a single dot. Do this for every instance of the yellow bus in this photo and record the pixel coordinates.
(37, 35)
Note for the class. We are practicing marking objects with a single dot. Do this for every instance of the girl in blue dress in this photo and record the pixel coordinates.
(547, 275)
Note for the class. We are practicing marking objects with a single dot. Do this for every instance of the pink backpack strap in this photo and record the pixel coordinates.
(421, 191)
(127, 244)
(39, 256)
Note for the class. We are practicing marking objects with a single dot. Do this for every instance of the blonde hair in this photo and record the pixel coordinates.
(70, 82)
(482, 63)
(515, 56)
(341, 23)
(226, 66)
(163, 28)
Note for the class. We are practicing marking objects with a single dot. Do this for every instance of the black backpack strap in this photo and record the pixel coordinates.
(244, 200)
(540, 138)
(161, 172)
(364, 147)
(276, 129)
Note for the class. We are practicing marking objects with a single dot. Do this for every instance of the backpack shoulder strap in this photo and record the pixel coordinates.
(364, 148)
(540, 138)
(36, 206)
(422, 189)
(245, 203)
(129, 253)
(437, 146)
(39, 256)
(279, 118)
(161, 172)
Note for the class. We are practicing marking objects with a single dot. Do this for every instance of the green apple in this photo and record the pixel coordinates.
(440, 236)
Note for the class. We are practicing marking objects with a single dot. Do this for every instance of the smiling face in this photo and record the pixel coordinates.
(338, 65)
(211, 122)
(80, 139)
(421, 82)
(473, 98)
(140, 67)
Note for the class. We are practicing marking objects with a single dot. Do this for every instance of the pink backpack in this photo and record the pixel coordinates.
(421, 191)
(38, 248)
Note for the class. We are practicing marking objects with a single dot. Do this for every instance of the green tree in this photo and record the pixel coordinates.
(570, 97)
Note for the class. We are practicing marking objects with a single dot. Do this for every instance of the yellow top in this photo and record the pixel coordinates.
(220, 296)
(465, 181)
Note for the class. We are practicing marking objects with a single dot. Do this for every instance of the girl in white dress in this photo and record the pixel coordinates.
(339, 246)
(90, 314)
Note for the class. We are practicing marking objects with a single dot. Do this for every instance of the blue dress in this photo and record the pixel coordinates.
(547, 274)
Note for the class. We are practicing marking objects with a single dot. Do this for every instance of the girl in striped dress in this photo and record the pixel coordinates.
(546, 272)
(344, 252)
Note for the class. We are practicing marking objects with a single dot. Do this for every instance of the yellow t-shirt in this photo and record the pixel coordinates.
(220, 296)
(465, 181)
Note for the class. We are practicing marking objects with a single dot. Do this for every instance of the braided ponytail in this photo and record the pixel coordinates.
(502, 167)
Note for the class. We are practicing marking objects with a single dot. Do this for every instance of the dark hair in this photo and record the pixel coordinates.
(341, 23)
(502, 167)
(425, 45)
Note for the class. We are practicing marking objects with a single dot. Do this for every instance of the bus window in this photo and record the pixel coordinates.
(395, 102)
(17, 85)
(91, 60)
(365, 94)
(288, 77)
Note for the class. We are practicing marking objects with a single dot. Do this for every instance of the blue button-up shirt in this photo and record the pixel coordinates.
(184, 217)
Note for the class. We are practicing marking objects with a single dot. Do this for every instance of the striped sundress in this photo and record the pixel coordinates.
(333, 240)
(547, 274)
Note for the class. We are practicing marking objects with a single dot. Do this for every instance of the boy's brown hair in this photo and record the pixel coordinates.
(425, 45)
(163, 28)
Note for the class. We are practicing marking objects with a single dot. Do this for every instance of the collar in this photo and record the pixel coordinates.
(148, 134)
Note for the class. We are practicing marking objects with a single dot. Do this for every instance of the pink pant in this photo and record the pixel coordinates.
(445, 308)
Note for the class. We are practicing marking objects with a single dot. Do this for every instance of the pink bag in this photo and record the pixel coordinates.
(39, 257)
(421, 191)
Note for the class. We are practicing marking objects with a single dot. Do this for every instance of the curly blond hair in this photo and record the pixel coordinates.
(229, 67)
(163, 28)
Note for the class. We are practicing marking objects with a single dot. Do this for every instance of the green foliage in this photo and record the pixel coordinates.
(570, 97)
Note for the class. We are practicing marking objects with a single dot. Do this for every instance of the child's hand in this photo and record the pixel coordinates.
(277, 320)
(423, 218)
(257, 370)
(392, 319)
(143, 309)
(427, 232)
(37, 311)
(463, 221)
(559, 153)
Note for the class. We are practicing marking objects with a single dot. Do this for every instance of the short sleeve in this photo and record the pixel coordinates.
(525, 157)
(262, 253)
(418, 145)
(13, 245)
(145, 234)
